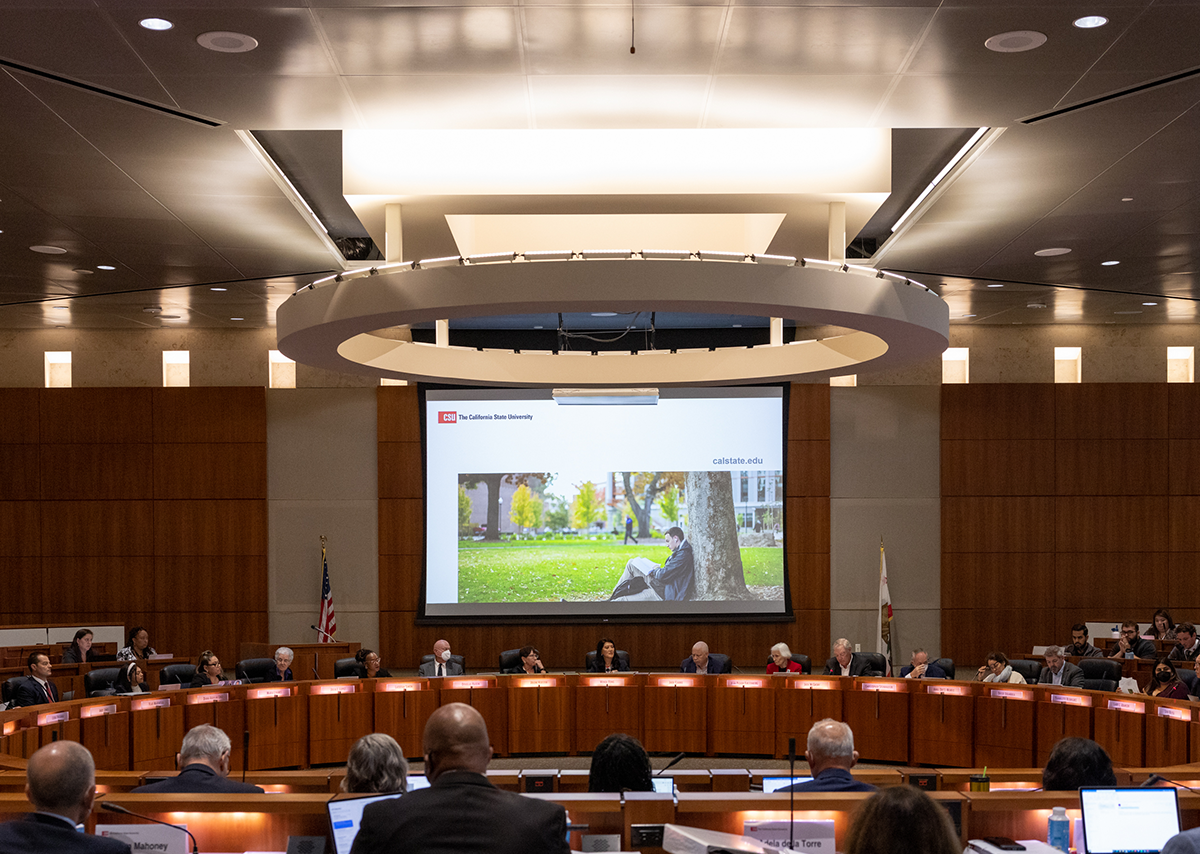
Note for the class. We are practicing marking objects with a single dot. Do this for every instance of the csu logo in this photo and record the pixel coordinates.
(447, 417)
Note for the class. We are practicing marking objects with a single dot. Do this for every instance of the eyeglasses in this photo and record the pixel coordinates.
(213, 664)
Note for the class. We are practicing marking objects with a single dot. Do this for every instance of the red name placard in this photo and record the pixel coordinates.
(468, 683)
(1127, 706)
(53, 718)
(261, 693)
(150, 703)
(888, 687)
(744, 683)
(676, 682)
(97, 711)
(1071, 699)
(197, 699)
(604, 681)
(334, 689)
(536, 683)
(814, 684)
(389, 687)
(953, 690)
(1011, 694)
(1172, 712)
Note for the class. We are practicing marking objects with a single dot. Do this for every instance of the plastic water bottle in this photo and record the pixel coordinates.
(1058, 830)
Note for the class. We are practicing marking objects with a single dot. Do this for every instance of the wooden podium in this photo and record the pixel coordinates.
(308, 656)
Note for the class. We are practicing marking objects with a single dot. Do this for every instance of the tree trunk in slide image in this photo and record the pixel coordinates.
(712, 524)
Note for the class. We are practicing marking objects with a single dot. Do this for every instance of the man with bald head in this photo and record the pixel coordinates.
(442, 665)
(60, 782)
(704, 662)
(830, 755)
(460, 811)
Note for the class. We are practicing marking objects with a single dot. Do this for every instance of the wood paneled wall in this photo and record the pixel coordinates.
(137, 506)
(1064, 504)
(403, 642)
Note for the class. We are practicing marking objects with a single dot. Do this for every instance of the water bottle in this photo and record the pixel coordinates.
(1058, 830)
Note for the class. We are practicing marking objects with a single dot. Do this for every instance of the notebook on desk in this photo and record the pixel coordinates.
(1128, 821)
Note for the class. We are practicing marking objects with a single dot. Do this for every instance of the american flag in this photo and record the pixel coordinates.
(328, 620)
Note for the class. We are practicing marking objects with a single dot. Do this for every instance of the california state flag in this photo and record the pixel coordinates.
(883, 643)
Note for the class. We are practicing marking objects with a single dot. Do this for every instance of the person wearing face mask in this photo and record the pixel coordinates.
(1165, 681)
(441, 664)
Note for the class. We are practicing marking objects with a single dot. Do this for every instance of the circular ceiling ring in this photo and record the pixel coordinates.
(339, 323)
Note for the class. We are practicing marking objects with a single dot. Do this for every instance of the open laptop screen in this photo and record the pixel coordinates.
(774, 784)
(345, 816)
(1119, 821)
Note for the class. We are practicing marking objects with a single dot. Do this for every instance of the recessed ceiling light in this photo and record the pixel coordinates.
(169, 317)
(1016, 41)
(49, 250)
(1050, 253)
(83, 272)
(604, 314)
(60, 308)
(737, 326)
(1109, 263)
(218, 289)
(995, 286)
(1036, 305)
(1127, 312)
(967, 315)
(105, 267)
(1127, 199)
(164, 24)
(152, 309)
(539, 327)
(227, 42)
(237, 318)
(1149, 303)
(1089, 22)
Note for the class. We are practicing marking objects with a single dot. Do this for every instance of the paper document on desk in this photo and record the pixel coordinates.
(148, 837)
(694, 840)
(816, 836)
(1032, 846)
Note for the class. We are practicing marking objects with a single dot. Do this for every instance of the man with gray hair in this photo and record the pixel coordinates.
(204, 763)
(830, 756)
(1059, 671)
(846, 662)
(283, 666)
(60, 782)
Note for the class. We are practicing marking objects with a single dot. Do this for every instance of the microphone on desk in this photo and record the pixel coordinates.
(245, 753)
(111, 807)
(670, 764)
(792, 793)
(323, 632)
(1155, 779)
(316, 675)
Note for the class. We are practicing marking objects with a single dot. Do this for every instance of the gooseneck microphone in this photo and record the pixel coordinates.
(111, 807)
(1154, 779)
(323, 632)
(670, 764)
(245, 753)
(792, 794)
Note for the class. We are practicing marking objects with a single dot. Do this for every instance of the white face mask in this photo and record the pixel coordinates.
(445, 655)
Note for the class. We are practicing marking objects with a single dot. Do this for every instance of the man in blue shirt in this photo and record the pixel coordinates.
(830, 756)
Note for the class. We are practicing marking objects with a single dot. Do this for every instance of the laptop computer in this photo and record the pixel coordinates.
(774, 784)
(1128, 821)
(345, 816)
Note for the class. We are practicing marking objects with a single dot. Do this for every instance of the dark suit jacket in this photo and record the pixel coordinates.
(429, 668)
(461, 813)
(858, 667)
(272, 675)
(38, 833)
(717, 663)
(831, 780)
(1072, 675)
(597, 665)
(931, 672)
(198, 779)
(30, 693)
(676, 580)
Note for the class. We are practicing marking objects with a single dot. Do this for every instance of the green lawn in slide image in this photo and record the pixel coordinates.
(578, 571)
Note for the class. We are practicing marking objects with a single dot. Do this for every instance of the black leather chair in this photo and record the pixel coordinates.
(717, 663)
(1100, 668)
(254, 669)
(800, 658)
(177, 674)
(1031, 670)
(345, 667)
(509, 659)
(99, 682)
(590, 656)
(9, 689)
(947, 665)
(1099, 685)
(877, 661)
(462, 662)
(1189, 678)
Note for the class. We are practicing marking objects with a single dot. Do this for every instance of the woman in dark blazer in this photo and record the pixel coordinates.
(606, 660)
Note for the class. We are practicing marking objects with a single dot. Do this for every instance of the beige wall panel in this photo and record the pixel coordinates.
(1111, 467)
(884, 442)
(997, 467)
(322, 444)
(351, 548)
(909, 529)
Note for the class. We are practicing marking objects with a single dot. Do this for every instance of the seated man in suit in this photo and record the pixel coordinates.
(920, 668)
(702, 662)
(1059, 671)
(60, 782)
(846, 663)
(36, 688)
(461, 811)
(1079, 643)
(674, 581)
(1187, 646)
(204, 760)
(1129, 645)
(283, 666)
(441, 664)
(830, 755)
